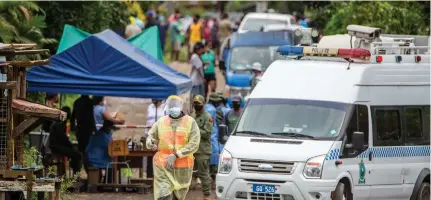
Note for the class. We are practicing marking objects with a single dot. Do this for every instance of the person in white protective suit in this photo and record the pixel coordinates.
(176, 138)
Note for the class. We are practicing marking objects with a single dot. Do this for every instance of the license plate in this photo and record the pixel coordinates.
(261, 188)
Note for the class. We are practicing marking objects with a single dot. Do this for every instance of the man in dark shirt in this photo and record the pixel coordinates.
(60, 144)
(82, 121)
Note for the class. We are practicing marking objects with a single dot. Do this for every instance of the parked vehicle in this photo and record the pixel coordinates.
(334, 123)
(255, 21)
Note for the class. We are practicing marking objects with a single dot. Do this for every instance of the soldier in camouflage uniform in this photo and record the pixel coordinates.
(216, 100)
(205, 123)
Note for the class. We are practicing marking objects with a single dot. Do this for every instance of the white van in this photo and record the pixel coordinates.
(329, 128)
(257, 21)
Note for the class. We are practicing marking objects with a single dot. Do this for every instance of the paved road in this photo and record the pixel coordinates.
(135, 113)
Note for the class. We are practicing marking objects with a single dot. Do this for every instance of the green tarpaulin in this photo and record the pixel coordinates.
(148, 40)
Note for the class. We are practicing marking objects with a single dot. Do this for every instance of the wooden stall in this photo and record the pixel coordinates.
(17, 118)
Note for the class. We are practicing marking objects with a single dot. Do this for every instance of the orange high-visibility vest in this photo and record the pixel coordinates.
(170, 141)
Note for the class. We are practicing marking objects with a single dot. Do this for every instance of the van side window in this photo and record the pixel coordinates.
(414, 123)
(417, 125)
(358, 123)
(387, 127)
(427, 121)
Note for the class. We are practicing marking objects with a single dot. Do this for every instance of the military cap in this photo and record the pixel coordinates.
(215, 97)
(199, 99)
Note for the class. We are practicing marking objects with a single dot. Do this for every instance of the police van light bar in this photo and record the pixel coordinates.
(356, 53)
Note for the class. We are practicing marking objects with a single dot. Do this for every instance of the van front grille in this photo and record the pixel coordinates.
(262, 196)
(252, 166)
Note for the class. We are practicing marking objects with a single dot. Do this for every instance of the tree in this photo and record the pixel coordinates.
(21, 22)
(91, 16)
(407, 17)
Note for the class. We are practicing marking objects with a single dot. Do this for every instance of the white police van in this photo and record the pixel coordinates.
(330, 123)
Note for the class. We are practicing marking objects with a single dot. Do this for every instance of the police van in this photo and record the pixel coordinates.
(335, 123)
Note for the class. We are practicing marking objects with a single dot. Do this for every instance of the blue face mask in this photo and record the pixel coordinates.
(175, 111)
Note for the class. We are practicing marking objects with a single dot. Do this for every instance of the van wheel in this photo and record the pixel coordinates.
(342, 192)
(424, 191)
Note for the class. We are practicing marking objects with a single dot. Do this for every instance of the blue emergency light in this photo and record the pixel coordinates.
(356, 53)
(288, 50)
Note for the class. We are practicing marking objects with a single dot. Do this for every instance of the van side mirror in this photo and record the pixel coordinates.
(222, 133)
(358, 141)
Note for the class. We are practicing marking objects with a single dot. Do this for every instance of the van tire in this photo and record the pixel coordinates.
(424, 191)
(342, 192)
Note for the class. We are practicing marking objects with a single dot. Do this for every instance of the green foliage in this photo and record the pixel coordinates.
(30, 157)
(67, 182)
(407, 17)
(23, 22)
(90, 16)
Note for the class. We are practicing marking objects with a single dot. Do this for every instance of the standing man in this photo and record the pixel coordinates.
(163, 29)
(176, 137)
(205, 123)
(233, 115)
(197, 67)
(194, 33)
(154, 112)
(225, 28)
(82, 122)
(175, 34)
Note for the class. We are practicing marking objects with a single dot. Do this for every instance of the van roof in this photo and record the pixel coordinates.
(332, 81)
(268, 15)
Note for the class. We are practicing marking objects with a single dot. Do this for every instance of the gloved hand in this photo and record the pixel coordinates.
(171, 161)
(152, 144)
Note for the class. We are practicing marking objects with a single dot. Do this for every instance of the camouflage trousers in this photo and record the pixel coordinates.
(203, 165)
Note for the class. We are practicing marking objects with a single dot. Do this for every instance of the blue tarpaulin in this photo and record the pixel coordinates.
(105, 64)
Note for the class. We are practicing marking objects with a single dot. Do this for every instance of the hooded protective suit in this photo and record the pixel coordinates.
(176, 138)
(214, 135)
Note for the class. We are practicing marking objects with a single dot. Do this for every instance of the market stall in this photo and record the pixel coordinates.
(105, 64)
(17, 118)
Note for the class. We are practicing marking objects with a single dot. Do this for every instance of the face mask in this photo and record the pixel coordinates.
(175, 111)
(198, 107)
(236, 106)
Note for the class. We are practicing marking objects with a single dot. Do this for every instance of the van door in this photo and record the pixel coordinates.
(387, 153)
(357, 162)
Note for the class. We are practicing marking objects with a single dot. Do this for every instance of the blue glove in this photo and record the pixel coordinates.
(171, 161)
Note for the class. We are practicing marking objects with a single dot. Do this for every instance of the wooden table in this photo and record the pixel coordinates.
(136, 159)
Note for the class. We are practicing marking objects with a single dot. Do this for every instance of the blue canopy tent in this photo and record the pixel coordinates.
(105, 64)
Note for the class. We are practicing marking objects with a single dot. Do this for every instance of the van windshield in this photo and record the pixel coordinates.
(243, 57)
(289, 118)
(256, 24)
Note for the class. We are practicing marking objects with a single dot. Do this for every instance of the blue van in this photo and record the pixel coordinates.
(244, 49)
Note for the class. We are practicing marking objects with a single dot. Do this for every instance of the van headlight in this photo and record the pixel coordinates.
(313, 167)
(225, 165)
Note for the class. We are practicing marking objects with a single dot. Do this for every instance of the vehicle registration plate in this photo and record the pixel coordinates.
(262, 188)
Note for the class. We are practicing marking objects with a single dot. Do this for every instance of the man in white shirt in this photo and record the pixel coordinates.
(197, 69)
(154, 112)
